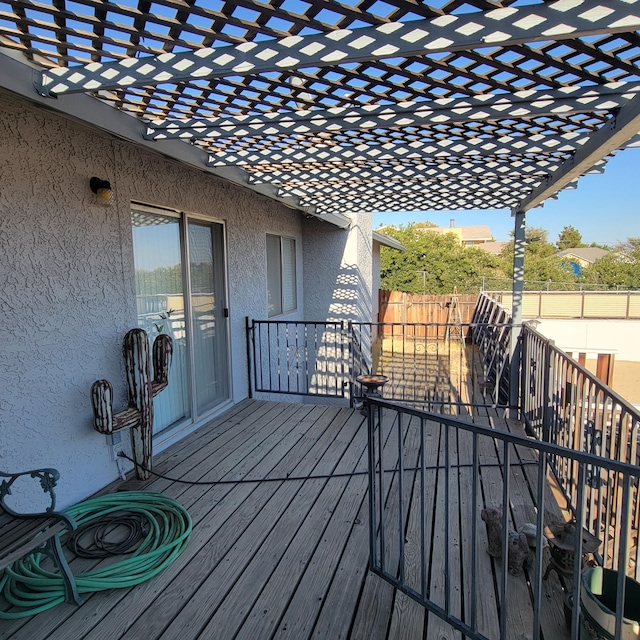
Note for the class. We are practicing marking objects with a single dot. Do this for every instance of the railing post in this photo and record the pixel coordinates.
(248, 343)
(547, 401)
(525, 373)
(516, 311)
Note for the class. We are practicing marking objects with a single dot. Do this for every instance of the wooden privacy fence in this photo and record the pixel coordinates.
(397, 308)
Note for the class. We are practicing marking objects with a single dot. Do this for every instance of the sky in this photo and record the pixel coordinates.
(605, 208)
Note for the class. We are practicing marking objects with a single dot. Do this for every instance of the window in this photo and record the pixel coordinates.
(281, 275)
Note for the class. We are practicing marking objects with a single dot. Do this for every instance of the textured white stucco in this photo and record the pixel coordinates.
(594, 336)
(67, 296)
(338, 280)
(375, 284)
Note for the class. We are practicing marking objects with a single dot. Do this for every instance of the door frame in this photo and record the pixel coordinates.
(184, 427)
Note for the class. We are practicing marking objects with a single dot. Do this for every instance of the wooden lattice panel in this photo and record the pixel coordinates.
(289, 87)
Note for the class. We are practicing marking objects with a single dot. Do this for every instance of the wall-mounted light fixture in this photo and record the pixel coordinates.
(102, 189)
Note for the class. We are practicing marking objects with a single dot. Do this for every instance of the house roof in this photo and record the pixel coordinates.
(388, 241)
(336, 106)
(589, 254)
(466, 234)
(494, 247)
(480, 232)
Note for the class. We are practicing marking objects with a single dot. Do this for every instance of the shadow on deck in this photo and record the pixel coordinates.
(289, 559)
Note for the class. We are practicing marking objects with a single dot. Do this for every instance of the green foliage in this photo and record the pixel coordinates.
(569, 238)
(618, 269)
(433, 263)
(436, 263)
(427, 224)
(541, 264)
(160, 281)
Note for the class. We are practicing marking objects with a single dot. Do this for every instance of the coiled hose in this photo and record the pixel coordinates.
(27, 585)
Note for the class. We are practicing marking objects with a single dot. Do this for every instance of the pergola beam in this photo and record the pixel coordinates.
(426, 201)
(363, 193)
(561, 20)
(421, 173)
(364, 184)
(520, 105)
(323, 197)
(611, 136)
(268, 152)
(16, 77)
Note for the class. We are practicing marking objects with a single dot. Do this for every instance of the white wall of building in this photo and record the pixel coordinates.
(375, 286)
(594, 336)
(68, 293)
(338, 280)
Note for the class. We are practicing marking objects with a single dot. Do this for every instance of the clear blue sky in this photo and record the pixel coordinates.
(605, 208)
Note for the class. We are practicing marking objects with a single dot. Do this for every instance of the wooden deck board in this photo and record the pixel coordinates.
(289, 559)
(519, 613)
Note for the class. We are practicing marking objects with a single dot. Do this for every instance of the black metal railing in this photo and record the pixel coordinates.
(430, 477)
(432, 365)
(427, 365)
(565, 404)
(299, 358)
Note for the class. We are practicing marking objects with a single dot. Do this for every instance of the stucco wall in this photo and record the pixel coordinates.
(338, 270)
(599, 336)
(68, 288)
(591, 337)
(375, 283)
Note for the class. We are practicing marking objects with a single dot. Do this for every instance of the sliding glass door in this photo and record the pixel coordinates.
(180, 290)
(208, 311)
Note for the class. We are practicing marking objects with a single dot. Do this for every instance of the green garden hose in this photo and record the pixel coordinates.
(26, 584)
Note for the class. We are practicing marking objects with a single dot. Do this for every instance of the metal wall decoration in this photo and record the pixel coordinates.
(142, 388)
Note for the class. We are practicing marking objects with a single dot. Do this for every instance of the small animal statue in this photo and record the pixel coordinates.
(519, 553)
(518, 544)
(492, 517)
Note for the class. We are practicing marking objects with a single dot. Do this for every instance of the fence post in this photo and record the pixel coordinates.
(346, 336)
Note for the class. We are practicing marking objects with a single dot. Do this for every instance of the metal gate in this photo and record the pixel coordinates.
(430, 478)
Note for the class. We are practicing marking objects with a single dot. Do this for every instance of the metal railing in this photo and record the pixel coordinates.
(430, 476)
(428, 364)
(299, 358)
(565, 404)
(433, 365)
(585, 431)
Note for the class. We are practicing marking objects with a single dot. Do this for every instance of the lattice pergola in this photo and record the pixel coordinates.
(354, 105)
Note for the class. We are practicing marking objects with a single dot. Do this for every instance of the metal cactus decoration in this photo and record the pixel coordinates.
(138, 416)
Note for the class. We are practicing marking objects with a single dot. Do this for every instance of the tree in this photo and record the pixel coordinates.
(569, 238)
(433, 263)
(427, 224)
(620, 268)
(541, 264)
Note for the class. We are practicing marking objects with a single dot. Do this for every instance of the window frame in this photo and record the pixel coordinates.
(293, 281)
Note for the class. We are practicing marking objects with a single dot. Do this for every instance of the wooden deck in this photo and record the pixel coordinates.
(288, 559)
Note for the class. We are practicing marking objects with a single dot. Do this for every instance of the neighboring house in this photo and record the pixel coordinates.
(607, 348)
(582, 257)
(494, 248)
(78, 272)
(469, 236)
(597, 328)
